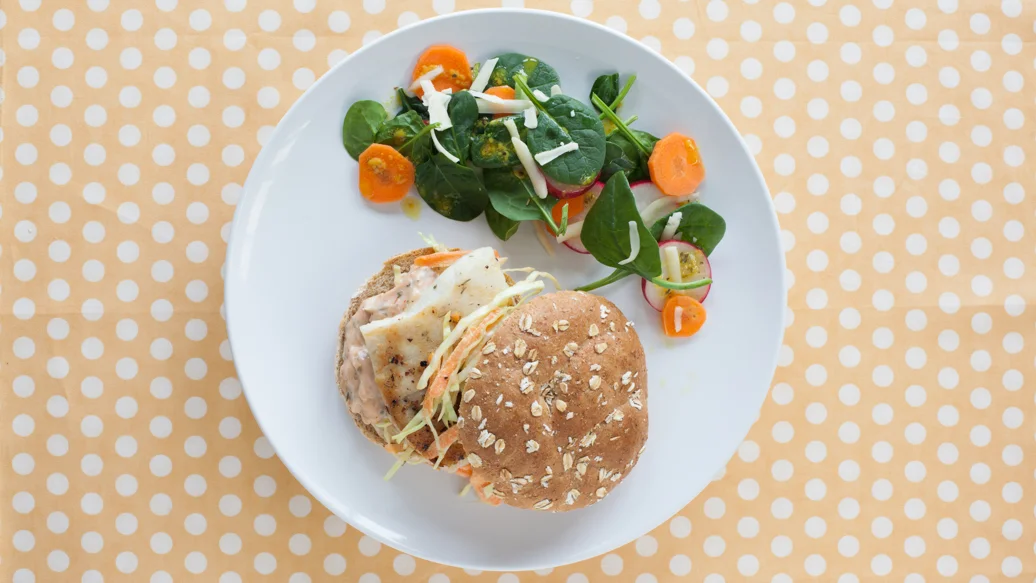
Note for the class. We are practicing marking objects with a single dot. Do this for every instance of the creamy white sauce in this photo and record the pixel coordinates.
(362, 393)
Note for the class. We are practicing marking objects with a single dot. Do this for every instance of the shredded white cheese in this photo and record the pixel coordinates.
(539, 95)
(444, 151)
(634, 244)
(436, 102)
(431, 74)
(677, 319)
(555, 90)
(671, 256)
(671, 225)
(539, 184)
(531, 119)
(496, 105)
(547, 157)
(397, 273)
(660, 208)
(482, 79)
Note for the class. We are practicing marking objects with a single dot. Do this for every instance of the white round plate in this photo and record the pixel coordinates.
(303, 241)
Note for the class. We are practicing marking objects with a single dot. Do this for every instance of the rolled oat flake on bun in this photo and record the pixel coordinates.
(555, 415)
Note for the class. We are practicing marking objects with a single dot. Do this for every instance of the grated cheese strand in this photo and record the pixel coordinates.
(484, 73)
(549, 156)
(672, 264)
(671, 225)
(443, 150)
(555, 90)
(678, 319)
(531, 119)
(497, 105)
(539, 184)
(539, 95)
(431, 74)
(634, 244)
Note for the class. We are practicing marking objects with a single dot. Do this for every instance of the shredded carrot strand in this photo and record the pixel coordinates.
(471, 337)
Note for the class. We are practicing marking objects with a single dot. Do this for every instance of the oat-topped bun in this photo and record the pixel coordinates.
(556, 414)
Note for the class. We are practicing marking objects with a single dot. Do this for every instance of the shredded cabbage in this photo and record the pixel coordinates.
(401, 459)
(431, 242)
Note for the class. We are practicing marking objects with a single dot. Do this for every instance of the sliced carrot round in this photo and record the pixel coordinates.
(503, 92)
(575, 206)
(675, 165)
(385, 174)
(683, 316)
(456, 73)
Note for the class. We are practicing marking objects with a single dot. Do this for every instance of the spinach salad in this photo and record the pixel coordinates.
(501, 139)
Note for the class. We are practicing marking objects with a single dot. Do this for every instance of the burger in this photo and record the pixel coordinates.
(538, 400)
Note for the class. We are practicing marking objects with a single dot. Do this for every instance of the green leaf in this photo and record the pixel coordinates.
(620, 155)
(361, 126)
(501, 226)
(540, 75)
(463, 111)
(606, 87)
(606, 233)
(699, 225)
(492, 148)
(512, 195)
(400, 129)
(411, 103)
(452, 190)
(563, 120)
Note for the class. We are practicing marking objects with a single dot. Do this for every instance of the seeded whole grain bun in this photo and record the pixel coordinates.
(555, 416)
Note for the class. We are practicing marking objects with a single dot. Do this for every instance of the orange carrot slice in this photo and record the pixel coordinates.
(464, 471)
(675, 165)
(682, 316)
(503, 92)
(456, 73)
(575, 206)
(385, 174)
(437, 388)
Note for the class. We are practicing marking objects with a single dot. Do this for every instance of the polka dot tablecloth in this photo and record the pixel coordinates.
(897, 441)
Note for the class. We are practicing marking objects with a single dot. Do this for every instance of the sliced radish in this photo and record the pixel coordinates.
(566, 190)
(694, 265)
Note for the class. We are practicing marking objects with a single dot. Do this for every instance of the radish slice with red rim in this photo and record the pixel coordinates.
(563, 191)
(693, 265)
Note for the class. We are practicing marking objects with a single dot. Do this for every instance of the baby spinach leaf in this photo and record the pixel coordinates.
(419, 148)
(699, 225)
(540, 75)
(463, 111)
(361, 126)
(620, 155)
(511, 194)
(452, 190)
(411, 103)
(492, 148)
(606, 232)
(501, 226)
(563, 120)
(400, 129)
(606, 87)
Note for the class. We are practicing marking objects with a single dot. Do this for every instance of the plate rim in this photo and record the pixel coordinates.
(246, 202)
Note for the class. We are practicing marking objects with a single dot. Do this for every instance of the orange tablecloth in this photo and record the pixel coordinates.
(897, 141)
